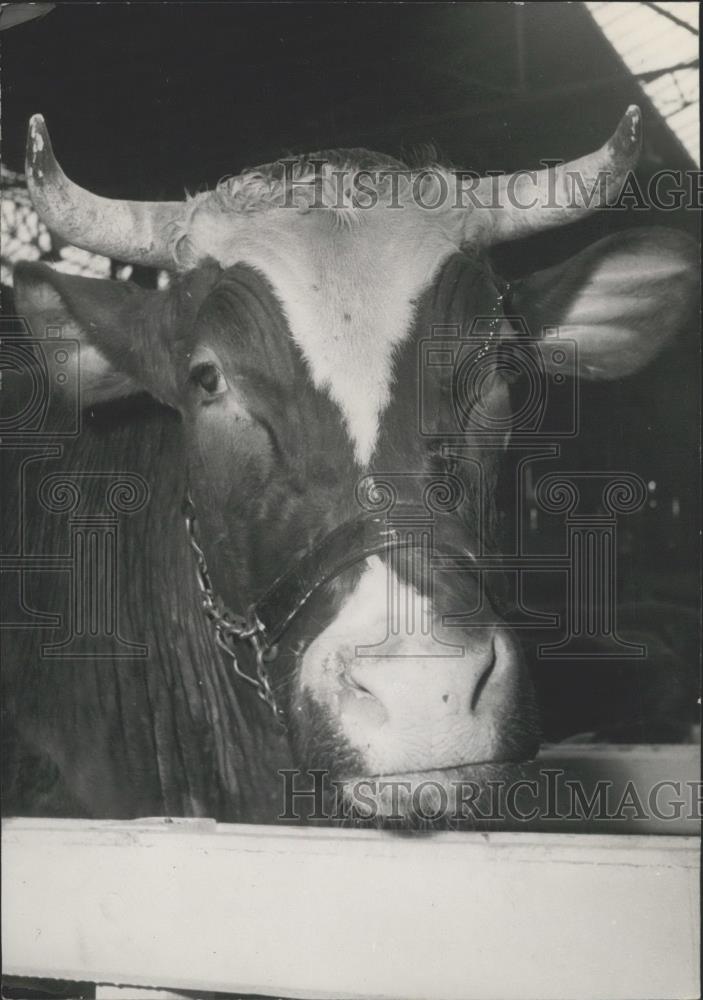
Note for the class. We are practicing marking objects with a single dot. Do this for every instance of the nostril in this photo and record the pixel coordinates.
(483, 679)
(360, 690)
(360, 704)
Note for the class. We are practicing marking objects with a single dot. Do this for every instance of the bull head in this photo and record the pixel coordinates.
(514, 205)
(289, 348)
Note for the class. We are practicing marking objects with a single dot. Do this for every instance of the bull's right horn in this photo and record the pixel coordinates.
(136, 232)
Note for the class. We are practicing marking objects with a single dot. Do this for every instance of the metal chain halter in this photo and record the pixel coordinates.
(493, 325)
(231, 628)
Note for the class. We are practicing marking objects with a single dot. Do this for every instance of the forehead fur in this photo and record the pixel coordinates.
(261, 187)
(289, 183)
(347, 290)
(264, 187)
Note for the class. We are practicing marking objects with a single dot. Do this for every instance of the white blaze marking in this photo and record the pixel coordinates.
(363, 621)
(348, 292)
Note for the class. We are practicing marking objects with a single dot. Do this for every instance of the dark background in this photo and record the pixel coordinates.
(144, 100)
(149, 100)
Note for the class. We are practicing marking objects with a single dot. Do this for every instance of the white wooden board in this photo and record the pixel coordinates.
(298, 913)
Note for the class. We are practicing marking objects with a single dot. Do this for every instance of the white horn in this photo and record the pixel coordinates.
(136, 232)
(513, 205)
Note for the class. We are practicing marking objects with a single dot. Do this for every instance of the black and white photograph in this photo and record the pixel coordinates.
(350, 387)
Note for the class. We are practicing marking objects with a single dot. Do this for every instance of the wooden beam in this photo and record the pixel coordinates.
(322, 913)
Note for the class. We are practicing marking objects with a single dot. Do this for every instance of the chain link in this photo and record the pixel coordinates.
(231, 628)
(493, 328)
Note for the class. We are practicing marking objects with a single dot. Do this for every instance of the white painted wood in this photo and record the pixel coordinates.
(314, 913)
(109, 992)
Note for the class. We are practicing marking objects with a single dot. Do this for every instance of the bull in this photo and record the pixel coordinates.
(274, 384)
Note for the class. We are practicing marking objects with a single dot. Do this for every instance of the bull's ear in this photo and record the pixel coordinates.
(621, 300)
(117, 324)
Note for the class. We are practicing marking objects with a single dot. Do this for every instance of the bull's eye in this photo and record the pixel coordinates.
(209, 379)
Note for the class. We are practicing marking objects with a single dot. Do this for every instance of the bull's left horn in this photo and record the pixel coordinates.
(514, 205)
(136, 232)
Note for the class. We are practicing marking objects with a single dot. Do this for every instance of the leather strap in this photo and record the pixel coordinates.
(350, 543)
